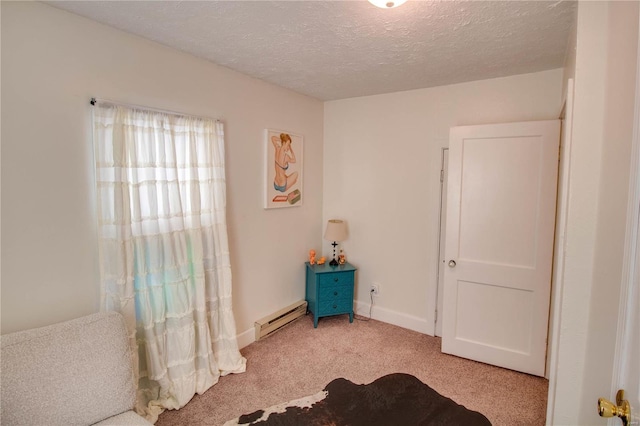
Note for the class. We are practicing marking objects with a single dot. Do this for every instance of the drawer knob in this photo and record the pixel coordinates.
(335, 279)
(335, 293)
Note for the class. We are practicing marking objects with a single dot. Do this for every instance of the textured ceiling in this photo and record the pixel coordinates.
(341, 49)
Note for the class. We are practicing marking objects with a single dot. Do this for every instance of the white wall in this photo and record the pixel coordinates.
(382, 175)
(53, 62)
(604, 67)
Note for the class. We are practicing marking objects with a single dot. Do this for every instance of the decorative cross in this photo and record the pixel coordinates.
(334, 262)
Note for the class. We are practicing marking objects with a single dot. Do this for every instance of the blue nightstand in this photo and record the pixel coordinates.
(329, 290)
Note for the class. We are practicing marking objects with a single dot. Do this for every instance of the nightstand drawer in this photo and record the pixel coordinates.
(336, 292)
(330, 307)
(336, 279)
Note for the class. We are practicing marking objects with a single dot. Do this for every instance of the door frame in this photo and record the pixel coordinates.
(444, 171)
(557, 281)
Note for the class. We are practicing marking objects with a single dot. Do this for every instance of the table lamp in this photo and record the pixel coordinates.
(336, 231)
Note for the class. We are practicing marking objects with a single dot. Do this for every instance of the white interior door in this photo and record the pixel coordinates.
(501, 203)
(626, 364)
(628, 345)
(627, 356)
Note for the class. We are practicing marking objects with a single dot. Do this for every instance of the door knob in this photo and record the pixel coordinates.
(607, 408)
(452, 263)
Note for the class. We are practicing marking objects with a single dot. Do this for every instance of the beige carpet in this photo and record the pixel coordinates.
(299, 360)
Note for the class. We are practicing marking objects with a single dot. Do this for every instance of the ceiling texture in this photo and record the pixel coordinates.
(341, 49)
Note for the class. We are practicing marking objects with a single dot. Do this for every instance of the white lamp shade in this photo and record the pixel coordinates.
(336, 230)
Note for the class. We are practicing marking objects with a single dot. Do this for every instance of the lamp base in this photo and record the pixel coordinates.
(334, 262)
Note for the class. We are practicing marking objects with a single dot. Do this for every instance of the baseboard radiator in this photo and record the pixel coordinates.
(279, 319)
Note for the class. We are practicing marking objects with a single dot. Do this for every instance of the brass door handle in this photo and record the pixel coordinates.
(607, 408)
(452, 263)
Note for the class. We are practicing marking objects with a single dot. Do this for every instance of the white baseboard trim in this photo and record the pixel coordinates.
(380, 314)
(393, 317)
(246, 338)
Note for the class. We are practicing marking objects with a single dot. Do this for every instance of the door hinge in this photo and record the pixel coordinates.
(441, 175)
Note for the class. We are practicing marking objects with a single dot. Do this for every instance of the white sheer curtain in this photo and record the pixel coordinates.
(164, 256)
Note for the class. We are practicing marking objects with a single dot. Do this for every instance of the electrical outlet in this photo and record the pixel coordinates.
(375, 289)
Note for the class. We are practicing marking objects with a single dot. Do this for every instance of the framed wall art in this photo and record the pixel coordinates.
(284, 169)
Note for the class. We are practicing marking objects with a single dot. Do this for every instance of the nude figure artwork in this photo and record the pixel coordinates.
(284, 169)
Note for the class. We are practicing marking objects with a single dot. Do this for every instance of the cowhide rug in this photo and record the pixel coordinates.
(396, 399)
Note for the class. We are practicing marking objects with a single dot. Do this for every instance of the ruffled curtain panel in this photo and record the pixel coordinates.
(164, 256)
